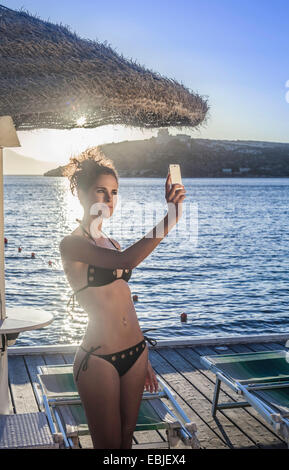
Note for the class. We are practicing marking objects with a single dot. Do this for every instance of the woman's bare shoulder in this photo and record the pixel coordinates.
(67, 241)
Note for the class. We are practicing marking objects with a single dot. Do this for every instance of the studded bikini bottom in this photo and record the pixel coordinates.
(122, 360)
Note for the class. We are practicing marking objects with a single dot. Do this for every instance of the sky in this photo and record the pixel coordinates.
(233, 52)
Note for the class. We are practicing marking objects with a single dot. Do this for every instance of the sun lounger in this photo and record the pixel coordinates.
(262, 378)
(58, 397)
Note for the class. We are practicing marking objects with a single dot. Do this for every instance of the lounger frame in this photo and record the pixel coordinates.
(179, 429)
(278, 422)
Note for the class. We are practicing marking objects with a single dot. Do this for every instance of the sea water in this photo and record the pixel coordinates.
(225, 265)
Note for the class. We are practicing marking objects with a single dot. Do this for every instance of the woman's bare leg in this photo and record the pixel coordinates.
(99, 390)
(131, 390)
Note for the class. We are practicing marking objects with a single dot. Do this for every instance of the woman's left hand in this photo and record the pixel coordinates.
(151, 383)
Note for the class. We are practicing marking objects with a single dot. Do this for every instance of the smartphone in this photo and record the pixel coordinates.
(175, 171)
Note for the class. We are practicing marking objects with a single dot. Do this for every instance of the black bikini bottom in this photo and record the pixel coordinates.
(121, 360)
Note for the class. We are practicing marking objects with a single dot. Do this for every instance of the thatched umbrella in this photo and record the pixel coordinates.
(49, 78)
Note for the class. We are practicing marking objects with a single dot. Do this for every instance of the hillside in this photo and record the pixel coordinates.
(16, 164)
(197, 157)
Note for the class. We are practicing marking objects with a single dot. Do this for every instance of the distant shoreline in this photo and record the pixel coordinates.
(198, 158)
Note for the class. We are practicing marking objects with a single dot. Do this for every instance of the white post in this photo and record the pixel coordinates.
(2, 253)
(4, 397)
(8, 138)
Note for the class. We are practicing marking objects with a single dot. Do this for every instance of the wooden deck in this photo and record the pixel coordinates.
(178, 363)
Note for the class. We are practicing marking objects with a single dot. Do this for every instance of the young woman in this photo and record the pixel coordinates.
(111, 367)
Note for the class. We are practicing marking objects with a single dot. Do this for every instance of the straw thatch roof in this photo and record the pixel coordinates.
(49, 78)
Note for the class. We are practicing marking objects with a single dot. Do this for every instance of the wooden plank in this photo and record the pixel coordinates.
(32, 362)
(85, 442)
(54, 359)
(194, 403)
(152, 445)
(253, 347)
(21, 388)
(189, 341)
(147, 437)
(68, 358)
(42, 350)
(267, 347)
(10, 400)
(11, 408)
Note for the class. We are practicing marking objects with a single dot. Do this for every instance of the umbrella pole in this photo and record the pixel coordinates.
(4, 393)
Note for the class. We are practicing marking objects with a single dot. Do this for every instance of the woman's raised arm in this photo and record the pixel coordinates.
(76, 248)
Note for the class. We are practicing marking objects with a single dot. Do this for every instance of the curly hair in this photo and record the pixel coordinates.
(86, 167)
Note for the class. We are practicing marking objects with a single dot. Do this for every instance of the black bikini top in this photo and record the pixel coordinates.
(97, 276)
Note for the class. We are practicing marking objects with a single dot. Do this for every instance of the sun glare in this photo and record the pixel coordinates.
(81, 121)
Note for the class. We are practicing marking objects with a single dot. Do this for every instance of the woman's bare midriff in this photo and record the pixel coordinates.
(112, 320)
